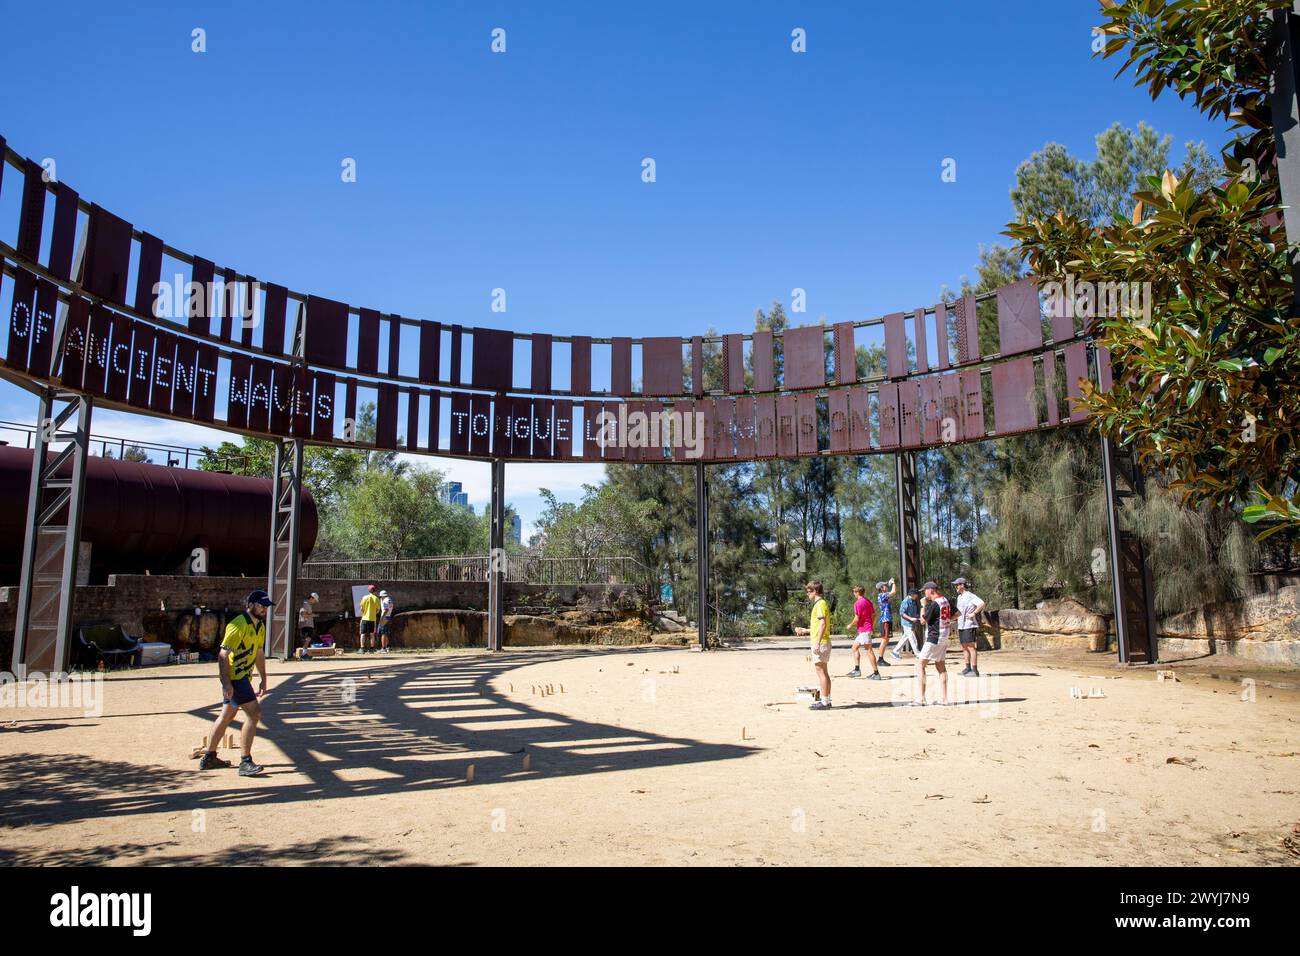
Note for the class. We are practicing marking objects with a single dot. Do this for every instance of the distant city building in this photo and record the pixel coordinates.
(457, 497)
(517, 530)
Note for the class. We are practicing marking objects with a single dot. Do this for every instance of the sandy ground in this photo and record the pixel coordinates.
(654, 756)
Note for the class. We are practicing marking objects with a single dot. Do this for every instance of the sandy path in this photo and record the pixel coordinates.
(640, 760)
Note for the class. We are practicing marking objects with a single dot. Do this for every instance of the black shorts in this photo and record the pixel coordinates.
(968, 635)
(383, 628)
(367, 627)
(241, 693)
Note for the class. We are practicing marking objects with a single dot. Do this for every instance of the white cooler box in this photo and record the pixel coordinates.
(152, 652)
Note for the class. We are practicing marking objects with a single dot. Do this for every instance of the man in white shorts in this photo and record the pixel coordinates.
(938, 612)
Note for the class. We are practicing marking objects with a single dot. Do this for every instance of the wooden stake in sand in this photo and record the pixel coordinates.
(469, 774)
(528, 762)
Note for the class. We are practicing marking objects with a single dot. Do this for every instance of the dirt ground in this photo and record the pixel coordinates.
(653, 756)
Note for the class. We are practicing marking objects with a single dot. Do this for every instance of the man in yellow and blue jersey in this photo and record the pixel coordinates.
(241, 651)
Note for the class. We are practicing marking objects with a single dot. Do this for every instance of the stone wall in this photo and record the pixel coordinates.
(162, 607)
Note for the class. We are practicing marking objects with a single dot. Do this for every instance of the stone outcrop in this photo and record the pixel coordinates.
(1053, 624)
(1262, 627)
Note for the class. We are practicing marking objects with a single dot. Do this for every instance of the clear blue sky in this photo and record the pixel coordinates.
(522, 170)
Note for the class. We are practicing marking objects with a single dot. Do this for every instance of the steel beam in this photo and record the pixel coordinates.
(497, 558)
(52, 536)
(1130, 570)
(1286, 131)
(909, 514)
(286, 529)
(702, 553)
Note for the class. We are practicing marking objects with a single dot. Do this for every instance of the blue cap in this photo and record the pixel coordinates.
(260, 597)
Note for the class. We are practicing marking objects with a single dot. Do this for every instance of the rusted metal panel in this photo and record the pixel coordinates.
(806, 424)
(200, 306)
(887, 401)
(480, 426)
(230, 296)
(709, 415)
(563, 444)
(367, 340)
(765, 425)
(148, 271)
(620, 366)
(895, 345)
(661, 366)
(1013, 396)
(435, 419)
(322, 409)
(859, 420)
(205, 383)
(543, 428)
(493, 363)
(241, 369)
(1061, 311)
(502, 428)
(733, 363)
(763, 357)
(787, 439)
(909, 414)
(43, 320)
(1020, 318)
(386, 417)
(183, 375)
(580, 365)
(697, 365)
(164, 371)
(1076, 370)
(1049, 388)
(430, 351)
(31, 215)
(395, 348)
(118, 383)
(412, 418)
(941, 335)
(805, 357)
(922, 350)
(846, 357)
(327, 332)
(837, 404)
(72, 368)
(746, 437)
(275, 308)
(724, 429)
(683, 423)
(968, 330)
(613, 433)
(278, 422)
(141, 377)
(21, 319)
(99, 349)
(1105, 376)
(972, 399)
(261, 384)
(931, 410)
(951, 418)
(64, 237)
(300, 395)
(540, 352)
(591, 450)
(108, 255)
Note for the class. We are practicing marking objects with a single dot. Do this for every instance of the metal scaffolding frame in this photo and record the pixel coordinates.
(286, 531)
(52, 537)
(1130, 567)
(702, 554)
(497, 558)
(909, 519)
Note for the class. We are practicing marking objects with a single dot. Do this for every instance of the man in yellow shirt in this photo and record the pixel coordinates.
(369, 618)
(819, 633)
(241, 651)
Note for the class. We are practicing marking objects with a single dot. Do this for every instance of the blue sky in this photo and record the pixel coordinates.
(522, 170)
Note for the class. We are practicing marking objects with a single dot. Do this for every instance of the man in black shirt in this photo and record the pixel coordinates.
(938, 612)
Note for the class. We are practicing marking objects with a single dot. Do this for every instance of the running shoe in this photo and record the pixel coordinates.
(884, 663)
(965, 672)
(875, 676)
(819, 705)
(249, 769)
(856, 672)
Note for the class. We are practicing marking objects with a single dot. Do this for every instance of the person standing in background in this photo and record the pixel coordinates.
(969, 605)
(369, 618)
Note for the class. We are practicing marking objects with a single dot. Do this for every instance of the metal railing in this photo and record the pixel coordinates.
(520, 569)
(154, 453)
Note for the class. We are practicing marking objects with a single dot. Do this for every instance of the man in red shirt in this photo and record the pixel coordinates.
(864, 613)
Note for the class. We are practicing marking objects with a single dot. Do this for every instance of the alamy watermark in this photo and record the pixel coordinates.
(639, 429)
(1098, 300)
(59, 691)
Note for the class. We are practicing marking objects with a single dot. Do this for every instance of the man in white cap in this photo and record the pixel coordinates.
(969, 605)
(385, 619)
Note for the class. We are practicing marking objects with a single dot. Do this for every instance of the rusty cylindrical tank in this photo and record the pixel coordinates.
(140, 517)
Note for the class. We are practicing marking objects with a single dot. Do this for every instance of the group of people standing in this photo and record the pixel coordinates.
(926, 621)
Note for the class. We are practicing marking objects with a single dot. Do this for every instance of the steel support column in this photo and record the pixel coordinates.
(702, 554)
(286, 530)
(909, 513)
(1130, 570)
(1286, 131)
(497, 558)
(51, 542)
